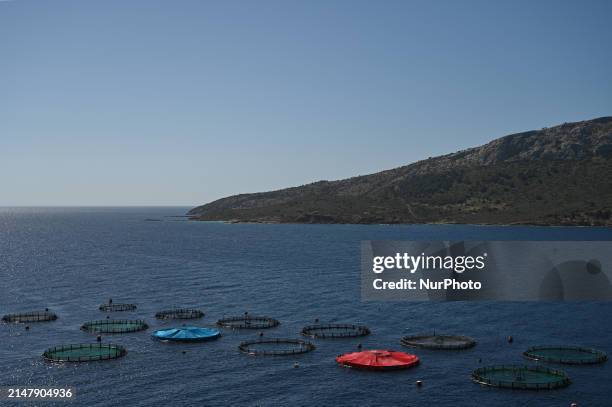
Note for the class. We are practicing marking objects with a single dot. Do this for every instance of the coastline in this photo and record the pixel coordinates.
(278, 222)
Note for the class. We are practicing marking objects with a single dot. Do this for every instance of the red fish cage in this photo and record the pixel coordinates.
(378, 360)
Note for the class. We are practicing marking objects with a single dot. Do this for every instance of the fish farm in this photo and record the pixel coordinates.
(503, 376)
(187, 334)
(180, 313)
(335, 331)
(248, 322)
(275, 347)
(84, 352)
(446, 342)
(110, 307)
(378, 360)
(571, 355)
(26, 317)
(114, 326)
(521, 377)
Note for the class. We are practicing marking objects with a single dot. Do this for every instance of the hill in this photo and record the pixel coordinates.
(555, 176)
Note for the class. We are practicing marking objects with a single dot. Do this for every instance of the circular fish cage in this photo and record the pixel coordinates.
(110, 307)
(378, 360)
(571, 355)
(248, 322)
(275, 347)
(186, 334)
(335, 331)
(446, 342)
(521, 377)
(114, 326)
(27, 317)
(84, 352)
(179, 313)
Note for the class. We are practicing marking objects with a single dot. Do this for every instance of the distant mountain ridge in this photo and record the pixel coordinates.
(560, 175)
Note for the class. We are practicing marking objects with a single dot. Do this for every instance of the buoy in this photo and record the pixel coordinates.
(184, 352)
(108, 317)
(99, 338)
(510, 339)
(316, 320)
(419, 383)
(27, 328)
(296, 365)
(260, 334)
(46, 309)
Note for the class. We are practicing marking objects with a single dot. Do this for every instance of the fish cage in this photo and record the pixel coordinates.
(27, 317)
(335, 331)
(378, 360)
(186, 334)
(110, 307)
(571, 355)
(446, 342)
(248, 322)
(84, 352)
(180, 313)
(275, 347)
(114, 326)
(521, 377)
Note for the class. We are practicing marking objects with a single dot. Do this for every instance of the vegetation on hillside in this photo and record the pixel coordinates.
(556, 176)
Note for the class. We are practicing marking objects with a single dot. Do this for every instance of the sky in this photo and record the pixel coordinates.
(182, 102)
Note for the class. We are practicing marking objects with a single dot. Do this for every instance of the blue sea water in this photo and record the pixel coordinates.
(73, 259)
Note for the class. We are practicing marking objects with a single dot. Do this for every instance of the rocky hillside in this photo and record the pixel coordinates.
(555, 176)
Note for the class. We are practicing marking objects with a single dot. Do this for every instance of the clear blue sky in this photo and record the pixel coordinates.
(182, 102)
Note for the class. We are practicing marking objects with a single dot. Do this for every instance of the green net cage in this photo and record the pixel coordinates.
(521, 377)
(248, 322)
(179, 313)
(443, 342)
(335, 331)
(275, 347)
(572, 355)
(114, 326)
(110, 307)
(84, 352)
(35, 316)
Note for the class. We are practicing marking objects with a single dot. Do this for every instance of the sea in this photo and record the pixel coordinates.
(70, 260)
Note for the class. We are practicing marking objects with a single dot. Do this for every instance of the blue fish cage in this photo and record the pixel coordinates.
(187, 334)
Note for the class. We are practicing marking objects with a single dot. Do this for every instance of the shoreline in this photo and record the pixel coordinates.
(270, 222)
